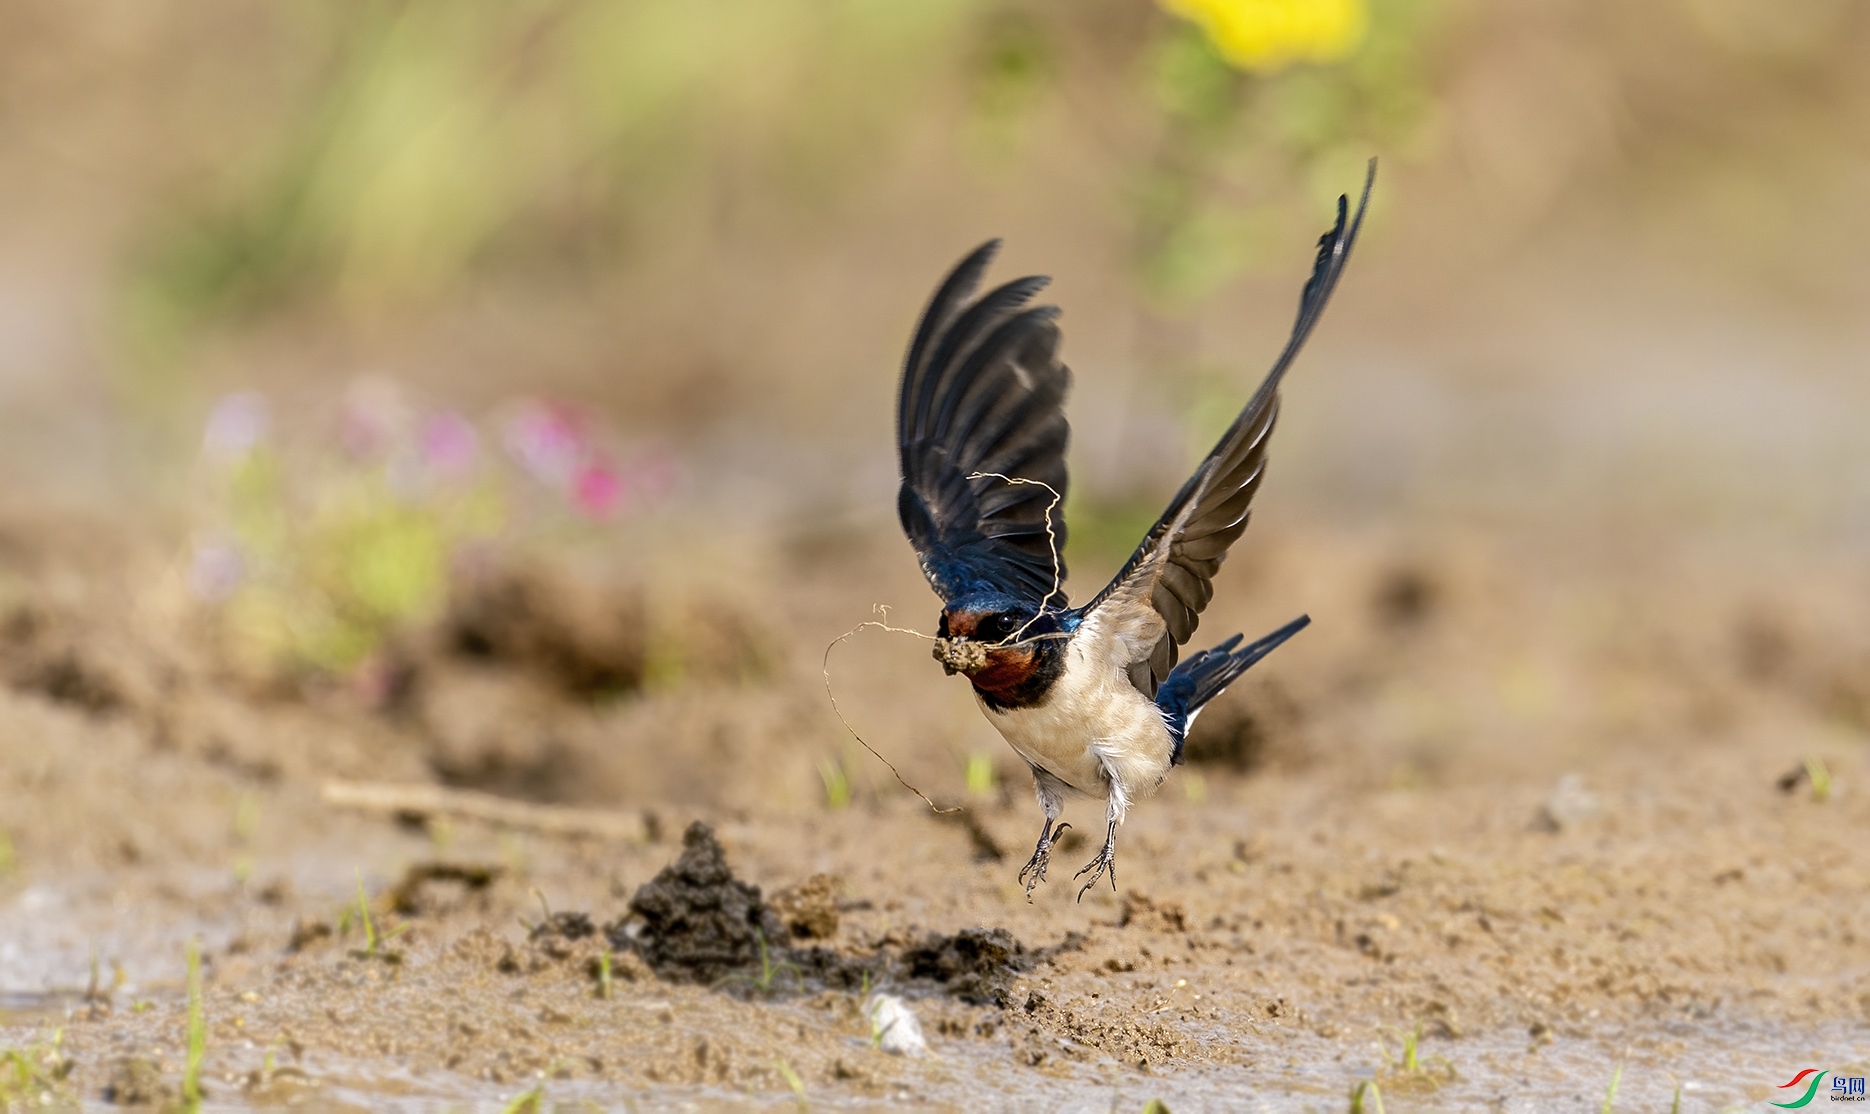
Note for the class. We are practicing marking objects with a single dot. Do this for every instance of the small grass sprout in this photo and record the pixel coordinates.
(192, 1092)
(1411, 1070)
(1367, 1091)
(1820, 776)
(246, 818)
(527, 1102)
(1610, 1094)
(271, 1073)
(769, 970)
(98, 994)
(34, 1076)
(837, 783)
(1156, 1106)
(980, 779)
(373, 943)
(794, 1084)
(604, 983)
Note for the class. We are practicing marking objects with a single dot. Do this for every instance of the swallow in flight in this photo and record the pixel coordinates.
(1091, 697)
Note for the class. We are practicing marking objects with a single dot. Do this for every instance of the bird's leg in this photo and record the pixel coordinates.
(1106, 861)
(1033, 872)
(1052, 800)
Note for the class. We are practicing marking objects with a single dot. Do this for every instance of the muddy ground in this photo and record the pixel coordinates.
(1556, 813)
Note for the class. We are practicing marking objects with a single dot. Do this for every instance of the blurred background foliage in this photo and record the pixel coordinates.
(438, 139)
(431, 339)
(713, 220)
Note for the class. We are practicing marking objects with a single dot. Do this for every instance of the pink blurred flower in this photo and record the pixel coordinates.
(373, 418)
(450, 446)
(598, 490)
(238, 424)
(548, 442)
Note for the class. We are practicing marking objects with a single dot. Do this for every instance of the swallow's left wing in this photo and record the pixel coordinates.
(1171, 574)
(981, 430)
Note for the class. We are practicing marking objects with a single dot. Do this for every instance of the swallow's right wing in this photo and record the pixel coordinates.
(1172, 571)
(981, 431)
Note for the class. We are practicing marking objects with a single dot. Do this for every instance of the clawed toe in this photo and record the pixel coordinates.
(1105, 863)
(1033, 872)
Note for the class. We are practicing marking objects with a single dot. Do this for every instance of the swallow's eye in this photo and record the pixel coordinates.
(999, 626)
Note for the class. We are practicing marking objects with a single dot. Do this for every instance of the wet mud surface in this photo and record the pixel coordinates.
(1542, 825)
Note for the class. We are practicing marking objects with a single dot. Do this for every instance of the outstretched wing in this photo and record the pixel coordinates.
(1173, 569)
(981, 429)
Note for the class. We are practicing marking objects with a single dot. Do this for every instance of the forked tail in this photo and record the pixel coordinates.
(1206, 675)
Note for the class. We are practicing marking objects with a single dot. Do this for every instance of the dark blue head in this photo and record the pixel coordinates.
(1017, 665)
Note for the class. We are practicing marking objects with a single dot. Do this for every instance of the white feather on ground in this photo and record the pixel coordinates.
(894, 1027)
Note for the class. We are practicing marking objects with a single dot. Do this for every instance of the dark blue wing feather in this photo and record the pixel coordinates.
(983, 392)
(1224, 485)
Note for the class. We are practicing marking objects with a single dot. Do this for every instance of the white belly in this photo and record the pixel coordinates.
(1094, 725)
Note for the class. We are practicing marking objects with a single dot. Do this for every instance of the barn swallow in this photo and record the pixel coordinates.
(1091, 697)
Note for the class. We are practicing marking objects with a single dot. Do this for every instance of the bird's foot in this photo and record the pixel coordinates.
(1105, 863)
(1033, 872)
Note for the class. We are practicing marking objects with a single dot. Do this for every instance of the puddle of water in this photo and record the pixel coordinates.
(32, 1007)
(1719, 1068)
(1720, 1064)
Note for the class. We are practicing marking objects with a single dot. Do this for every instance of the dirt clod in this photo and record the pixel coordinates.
(415, 893)
(1141, 911)
(70, 678)
(696, 922)
(564, 926)
(138, 1082)
(309, 930)
(484, 948)
(810, 909)
(976, 965)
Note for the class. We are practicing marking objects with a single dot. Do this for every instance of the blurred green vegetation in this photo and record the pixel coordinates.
(1238, 142)
(445, 139)
(334, 574)
(1104, 532)
(445, 136)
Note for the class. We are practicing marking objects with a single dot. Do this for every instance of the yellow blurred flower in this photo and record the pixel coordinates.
(1265, 35)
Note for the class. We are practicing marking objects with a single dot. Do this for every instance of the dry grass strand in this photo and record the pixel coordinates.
(1017, 637)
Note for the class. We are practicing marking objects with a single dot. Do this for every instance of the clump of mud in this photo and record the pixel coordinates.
(976, 965)
(432, 888)
(696, 922)
(139, 1082)
(1142, 911)
(810, 909)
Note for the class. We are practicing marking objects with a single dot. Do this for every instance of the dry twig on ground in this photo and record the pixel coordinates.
(422, 802)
